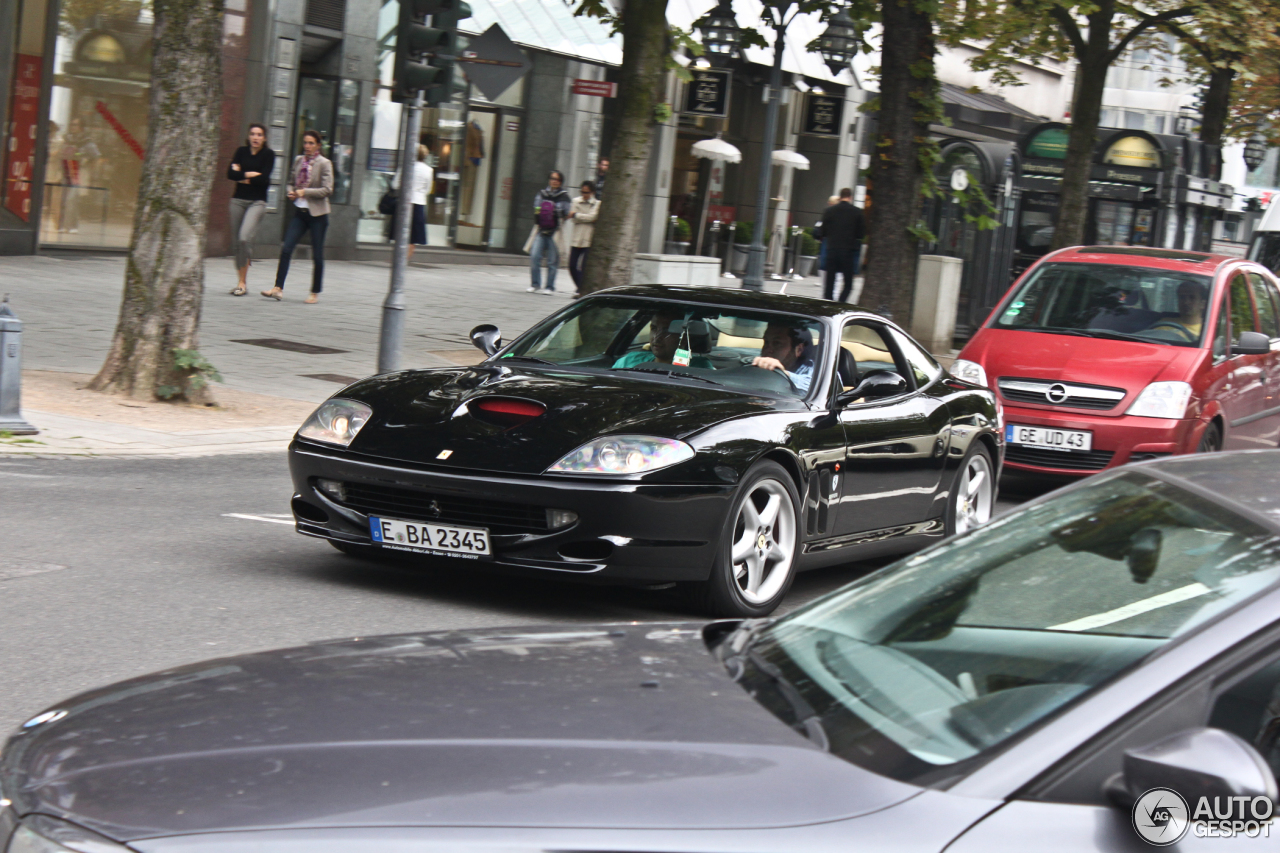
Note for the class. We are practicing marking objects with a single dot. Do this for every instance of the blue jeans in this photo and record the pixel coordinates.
(302, 222)
(544, 244)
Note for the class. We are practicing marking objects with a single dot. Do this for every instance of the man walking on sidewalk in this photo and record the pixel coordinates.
(843, 229)
(550, 207)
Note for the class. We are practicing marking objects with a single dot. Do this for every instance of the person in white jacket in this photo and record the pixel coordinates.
(419, 188)
(582, 213)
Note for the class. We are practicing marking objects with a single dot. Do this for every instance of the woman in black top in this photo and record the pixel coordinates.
(251, 170)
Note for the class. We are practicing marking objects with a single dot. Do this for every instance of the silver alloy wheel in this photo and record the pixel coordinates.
(975, 487)
(764, 541)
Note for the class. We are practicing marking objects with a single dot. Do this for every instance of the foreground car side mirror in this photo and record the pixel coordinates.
(1196, 763)
(1251, 343)
(876, 384)
(487, 338)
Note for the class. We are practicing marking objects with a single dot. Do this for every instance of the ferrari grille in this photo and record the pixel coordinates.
(500, 517)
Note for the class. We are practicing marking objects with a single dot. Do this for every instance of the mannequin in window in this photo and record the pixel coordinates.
(471, 165)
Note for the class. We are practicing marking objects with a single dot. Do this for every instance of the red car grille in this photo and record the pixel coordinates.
(1092, 460)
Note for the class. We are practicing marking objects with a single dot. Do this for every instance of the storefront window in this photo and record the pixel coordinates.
(24, 109)
(477, 164)
(505, 183)
(445, 135)
(97, 122)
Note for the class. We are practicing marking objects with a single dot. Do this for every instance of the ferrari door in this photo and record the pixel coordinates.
(896, 447)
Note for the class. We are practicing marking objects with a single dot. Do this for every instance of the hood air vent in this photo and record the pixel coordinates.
(506, 412)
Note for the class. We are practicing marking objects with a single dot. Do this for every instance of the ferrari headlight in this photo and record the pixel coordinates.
(336, 422)
(40, 834)
(624, 454)
(1162, 400)
(969, 371)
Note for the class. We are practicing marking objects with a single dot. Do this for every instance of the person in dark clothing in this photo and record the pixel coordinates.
(251, 170)
(842, 229)
(602, 175)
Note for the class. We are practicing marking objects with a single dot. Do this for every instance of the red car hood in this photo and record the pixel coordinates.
(1091, 361)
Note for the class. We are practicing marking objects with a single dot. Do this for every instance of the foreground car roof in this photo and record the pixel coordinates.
(737, 298)
(1244, 479)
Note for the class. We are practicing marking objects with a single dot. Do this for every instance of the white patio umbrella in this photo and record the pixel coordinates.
(715, 150)
(787, 157)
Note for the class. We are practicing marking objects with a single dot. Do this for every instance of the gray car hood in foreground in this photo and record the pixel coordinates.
(611, 727)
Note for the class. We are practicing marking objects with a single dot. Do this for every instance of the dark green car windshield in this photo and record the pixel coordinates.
(947, 654)
(679, 341)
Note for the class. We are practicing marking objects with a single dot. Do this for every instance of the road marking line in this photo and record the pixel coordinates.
(255, 518)
(1155, 602)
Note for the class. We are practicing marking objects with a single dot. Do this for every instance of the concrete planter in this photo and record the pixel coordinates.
(694, 270)
(805, 263)
(738, 260)
(933, 312)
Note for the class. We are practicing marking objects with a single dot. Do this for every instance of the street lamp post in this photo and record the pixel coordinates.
(721, 35)
(1255, 151)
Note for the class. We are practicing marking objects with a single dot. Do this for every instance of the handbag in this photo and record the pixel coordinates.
(388, 203)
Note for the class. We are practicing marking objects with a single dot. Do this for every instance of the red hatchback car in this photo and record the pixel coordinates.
(1104, 355)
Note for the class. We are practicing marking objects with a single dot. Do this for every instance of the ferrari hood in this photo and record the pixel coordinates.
(611, 726)
(417, 415)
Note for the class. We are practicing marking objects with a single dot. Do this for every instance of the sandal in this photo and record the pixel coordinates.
(239, 291)
(312, 298)
(274, 293)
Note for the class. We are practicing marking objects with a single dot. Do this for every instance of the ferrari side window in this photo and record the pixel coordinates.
(923, 367)
(1250, 709)
(870, 350)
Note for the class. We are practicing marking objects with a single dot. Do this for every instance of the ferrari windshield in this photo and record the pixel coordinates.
(752, 351)
(947, 654)
(1111, 301)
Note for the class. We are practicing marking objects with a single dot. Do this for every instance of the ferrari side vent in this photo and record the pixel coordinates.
(507, 412)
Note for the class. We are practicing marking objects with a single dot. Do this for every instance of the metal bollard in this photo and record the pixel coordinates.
(11, 374)
(728, 252)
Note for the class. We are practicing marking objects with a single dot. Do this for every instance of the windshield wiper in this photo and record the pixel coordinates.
(1115, 336)
(532, 358)
(671, 374)
(807, 718)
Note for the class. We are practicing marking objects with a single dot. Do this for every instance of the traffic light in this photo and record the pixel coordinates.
(425, 54)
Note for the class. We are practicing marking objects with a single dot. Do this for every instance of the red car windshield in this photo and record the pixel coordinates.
(1111, 301)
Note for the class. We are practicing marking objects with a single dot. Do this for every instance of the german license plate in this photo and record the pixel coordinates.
(1048, 438)
(441, 540)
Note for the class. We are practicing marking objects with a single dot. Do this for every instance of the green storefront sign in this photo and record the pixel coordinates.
(1050, 144)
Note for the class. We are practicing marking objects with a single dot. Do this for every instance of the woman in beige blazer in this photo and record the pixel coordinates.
(310, 185)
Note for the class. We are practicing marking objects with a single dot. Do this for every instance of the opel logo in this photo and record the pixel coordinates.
(1057, 393)
(434, 509)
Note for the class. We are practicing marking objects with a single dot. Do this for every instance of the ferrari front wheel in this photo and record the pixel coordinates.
(756, 562)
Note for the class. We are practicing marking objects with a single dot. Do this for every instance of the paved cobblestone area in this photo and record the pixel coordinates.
(69, 304)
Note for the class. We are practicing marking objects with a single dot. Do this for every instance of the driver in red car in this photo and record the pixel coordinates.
(786, 348)
(1191, 308)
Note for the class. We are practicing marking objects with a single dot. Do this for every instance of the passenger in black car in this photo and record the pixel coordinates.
(663, 343)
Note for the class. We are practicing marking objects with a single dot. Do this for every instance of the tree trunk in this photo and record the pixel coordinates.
(617, 234)
(164, 277)
(908, 94)
(1086, 108)
(1217, 105)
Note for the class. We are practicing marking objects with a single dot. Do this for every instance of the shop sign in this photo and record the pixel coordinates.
(822, 115)
(1052, 169)
(1132, 151)
(1049, 144)
(707, 94)
(726, 213)
(22, 135)
(595, 88)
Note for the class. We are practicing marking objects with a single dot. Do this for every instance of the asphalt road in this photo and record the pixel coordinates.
(112, 568)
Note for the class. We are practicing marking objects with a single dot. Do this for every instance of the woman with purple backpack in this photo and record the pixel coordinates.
(550, 208)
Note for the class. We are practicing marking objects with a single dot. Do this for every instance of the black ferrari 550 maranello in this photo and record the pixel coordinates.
(648, 434)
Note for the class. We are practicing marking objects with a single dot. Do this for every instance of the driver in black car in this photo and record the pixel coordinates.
(786, 348)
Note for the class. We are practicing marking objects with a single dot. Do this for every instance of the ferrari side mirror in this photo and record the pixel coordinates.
(876, 384)
(1196, 763)
(1251, 343)
(487, 338)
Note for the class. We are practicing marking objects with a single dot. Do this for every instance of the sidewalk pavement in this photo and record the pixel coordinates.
(277, 359)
